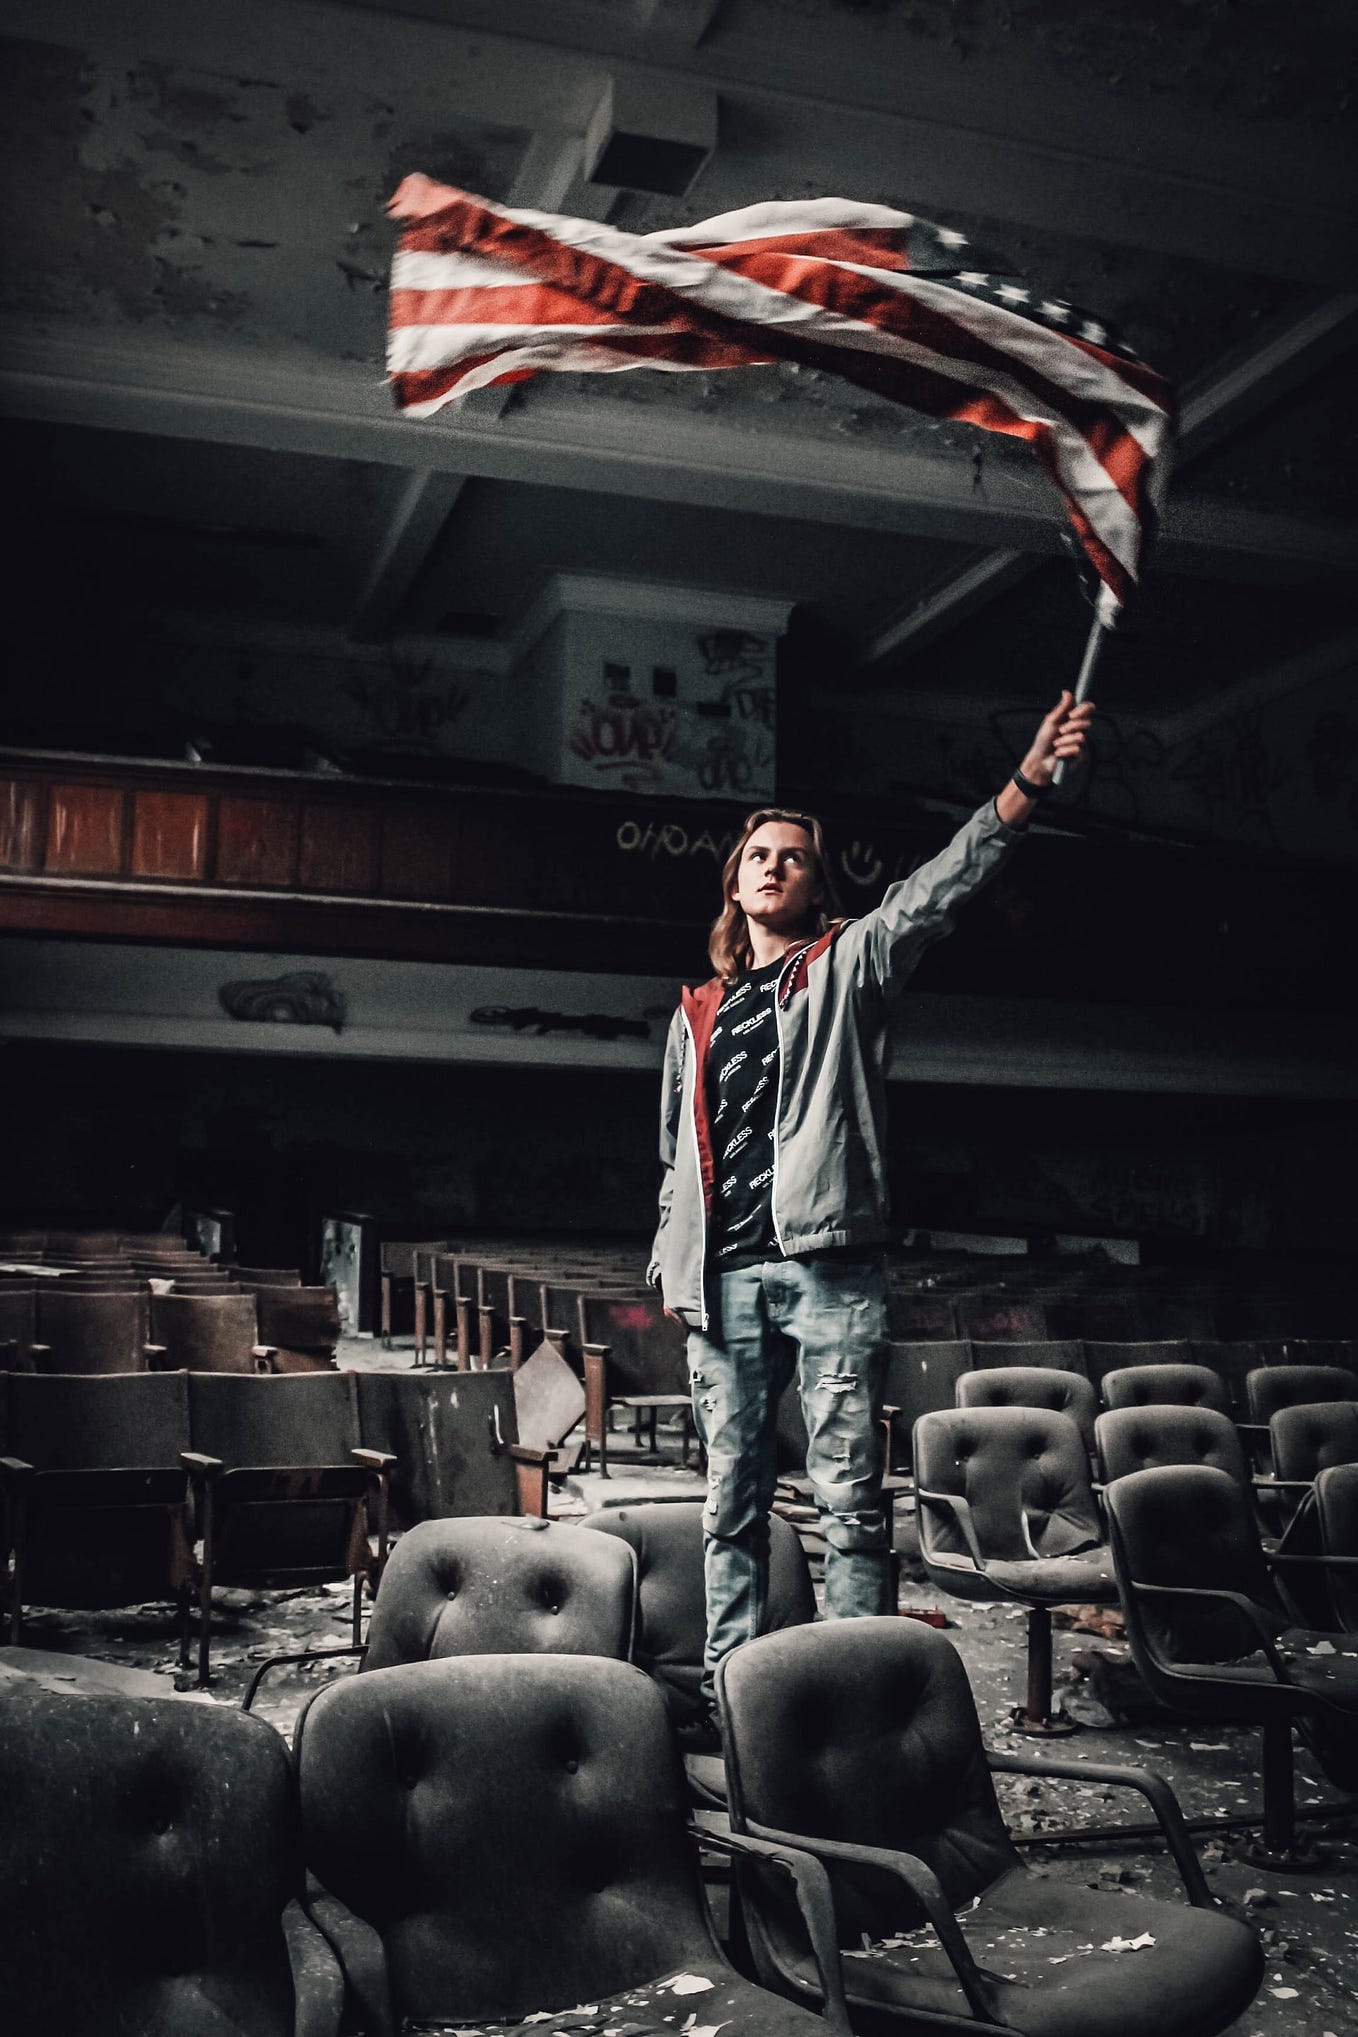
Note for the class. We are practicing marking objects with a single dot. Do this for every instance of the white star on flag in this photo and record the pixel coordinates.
(1013, 294)
(1060, 312)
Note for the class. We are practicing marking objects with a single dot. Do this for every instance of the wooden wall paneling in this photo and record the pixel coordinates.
(20, 823)
(339, 849)
(169, 833)
(86, 830)
(417, 853)
(257, 841)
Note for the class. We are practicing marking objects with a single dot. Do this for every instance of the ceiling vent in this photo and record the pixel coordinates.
(646, 135)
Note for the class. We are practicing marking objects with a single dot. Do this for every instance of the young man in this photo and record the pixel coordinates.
(773, 1205)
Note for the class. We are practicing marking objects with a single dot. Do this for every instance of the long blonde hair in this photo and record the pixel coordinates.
(729, 947)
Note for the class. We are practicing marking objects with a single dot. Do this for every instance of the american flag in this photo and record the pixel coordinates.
(483, 293)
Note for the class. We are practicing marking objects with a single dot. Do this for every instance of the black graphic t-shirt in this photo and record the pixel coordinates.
(742, 1095)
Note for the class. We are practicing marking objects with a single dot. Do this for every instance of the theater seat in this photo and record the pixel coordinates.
(502, 1836)
(1006, 1512)
(150, 1867)
(1210, 1633)
(859, 1741)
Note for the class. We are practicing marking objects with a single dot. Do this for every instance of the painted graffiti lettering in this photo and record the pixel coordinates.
(636, 838)
(624, 734)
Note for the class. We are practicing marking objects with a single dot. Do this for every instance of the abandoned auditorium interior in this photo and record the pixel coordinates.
(463, 458)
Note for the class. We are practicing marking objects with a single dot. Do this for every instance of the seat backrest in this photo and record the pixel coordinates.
(266, 1421)
(265, 1276)
(667, 1538)
(496, 1586)
(300, 1318)
(1188, 1527)
(1053, 1354)
(1103, 1355)
(1024, 1473)
(1337, 1512)
(1189, 1386)
(646, 1351)
(864, 1731)
(1270, 1387)
(151, 1849)
(1312, 1434)
(1032, 1386)
(511, 1825)
(136, 1421)
(206, 1332)
(1132, 1438)
(92, 1332)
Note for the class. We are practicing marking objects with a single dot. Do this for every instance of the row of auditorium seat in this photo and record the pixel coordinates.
(200, 1322)
(495, 1833)
(110, 1482)
(1007, 1509)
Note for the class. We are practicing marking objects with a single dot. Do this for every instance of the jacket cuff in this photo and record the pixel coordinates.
(1003, 828)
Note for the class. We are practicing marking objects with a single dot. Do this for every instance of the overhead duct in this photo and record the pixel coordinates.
(649, 135)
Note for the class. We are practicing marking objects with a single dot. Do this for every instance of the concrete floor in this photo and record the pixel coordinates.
(1308, 1918)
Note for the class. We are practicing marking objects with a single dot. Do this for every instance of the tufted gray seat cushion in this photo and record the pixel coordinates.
(667, 1537)
(1130, 1438)
(1032, 1386)
(1196, 1386)
(496, 1585)
(1310, 1435)
(151, 1851)
(1270, 1387)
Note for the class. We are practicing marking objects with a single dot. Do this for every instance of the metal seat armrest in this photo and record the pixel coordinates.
(362, 1957)
(14, 1470)
(155, 1356)
(200, 1466)
(317, 1977)
(815, 1900)
(375, 1460)
(923, 1886)
(1266, 1630)
(298, 1655)
(1147, 1783)
(960, 1509)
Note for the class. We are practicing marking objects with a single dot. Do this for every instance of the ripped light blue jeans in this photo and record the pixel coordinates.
(824, 1319)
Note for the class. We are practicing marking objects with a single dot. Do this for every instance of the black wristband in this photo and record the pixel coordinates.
(1029, 790)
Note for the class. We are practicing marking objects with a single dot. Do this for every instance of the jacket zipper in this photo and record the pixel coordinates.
(778, 1101)
(698, 1167)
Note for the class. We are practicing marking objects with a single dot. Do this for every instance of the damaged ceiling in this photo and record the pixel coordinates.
(192, 328)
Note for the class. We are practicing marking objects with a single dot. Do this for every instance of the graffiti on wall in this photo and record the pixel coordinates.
(653, 839)
(626, 738)
(406, 706)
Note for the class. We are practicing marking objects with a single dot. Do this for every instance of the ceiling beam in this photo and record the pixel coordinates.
(230, 397)
(1288, 356)
(423, 506)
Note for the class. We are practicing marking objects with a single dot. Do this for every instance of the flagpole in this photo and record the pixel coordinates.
(1098, 636)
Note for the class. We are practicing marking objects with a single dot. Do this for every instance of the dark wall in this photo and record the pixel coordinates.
(95, 1133)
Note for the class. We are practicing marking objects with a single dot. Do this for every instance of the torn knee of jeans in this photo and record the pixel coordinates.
(837, 1382)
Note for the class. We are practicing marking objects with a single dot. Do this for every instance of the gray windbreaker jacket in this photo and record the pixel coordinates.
(833, 1008)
